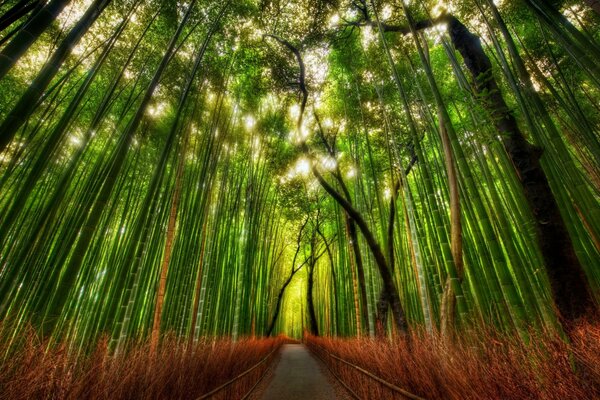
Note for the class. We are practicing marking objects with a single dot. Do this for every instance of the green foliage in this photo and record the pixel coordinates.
(89, 236)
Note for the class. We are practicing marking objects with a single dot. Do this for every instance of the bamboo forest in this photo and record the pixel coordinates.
(299, 199)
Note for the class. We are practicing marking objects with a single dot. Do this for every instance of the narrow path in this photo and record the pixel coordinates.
(298, 377)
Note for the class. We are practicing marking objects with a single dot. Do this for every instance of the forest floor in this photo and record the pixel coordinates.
(298, 376)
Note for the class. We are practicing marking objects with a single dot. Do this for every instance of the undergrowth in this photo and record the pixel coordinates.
(35, 371)
(493, 366)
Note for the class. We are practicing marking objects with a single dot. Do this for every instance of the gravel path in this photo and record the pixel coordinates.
(298, 377)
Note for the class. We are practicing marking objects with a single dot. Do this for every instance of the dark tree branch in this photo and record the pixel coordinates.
(386, 275)
(301, 79)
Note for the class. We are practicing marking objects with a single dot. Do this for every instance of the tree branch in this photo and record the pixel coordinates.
(301, 79)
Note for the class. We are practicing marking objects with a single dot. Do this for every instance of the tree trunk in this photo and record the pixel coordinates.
(312, 315)
(594, 5)
(448, 314)
(27, 103)
(384, 271)
(16, 12)
(55, 137)
(278, 304)
(383, 306)
(334, 279)
(356, 296)
(364, 311)
(29, 34)
(164, 269)
(176, 196)
(570, 291)
(289, 279)
(198, 281)
(54, 307)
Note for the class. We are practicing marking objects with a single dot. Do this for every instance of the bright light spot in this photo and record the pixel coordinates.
(257, 34)
(301, 135)
(441, 28)
(256, 148)
(351, 172)
(387, 193)
(329, 163)
(367, 36)
(78, 50)
(157, 110)
(572, 12)
(304, 132)
(75, 140)
(74, 12)
(317, 65)
(302, 167)
(249, 122)
(334, 20)
(294, 111)
(439, 9)
(386, 13)
(437, 32)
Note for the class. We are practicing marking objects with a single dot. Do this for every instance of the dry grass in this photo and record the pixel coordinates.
(493, 367)
(175, 372)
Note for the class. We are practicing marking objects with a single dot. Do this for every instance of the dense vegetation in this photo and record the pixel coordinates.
(342, 167)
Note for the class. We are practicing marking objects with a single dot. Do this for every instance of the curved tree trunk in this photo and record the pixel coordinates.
(384, 271)
(278, 304)
(382, 265)
(362, 308)
(289, 279)
(570, 291)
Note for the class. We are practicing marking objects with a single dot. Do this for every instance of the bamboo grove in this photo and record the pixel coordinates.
(248, 168)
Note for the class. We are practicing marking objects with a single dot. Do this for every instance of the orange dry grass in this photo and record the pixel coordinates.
(174, 373)
(492, 367)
